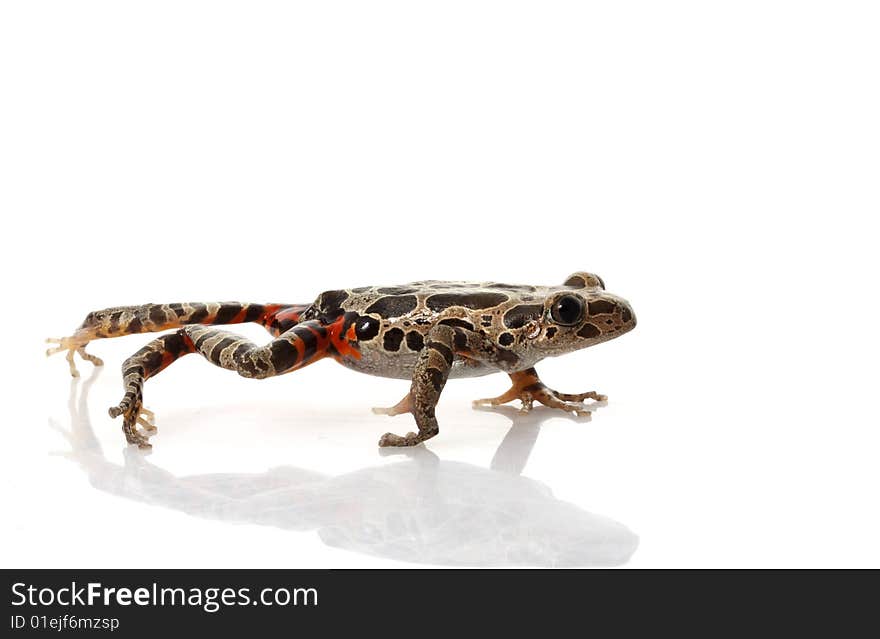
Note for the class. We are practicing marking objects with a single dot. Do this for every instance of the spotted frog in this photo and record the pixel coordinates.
(427, 332)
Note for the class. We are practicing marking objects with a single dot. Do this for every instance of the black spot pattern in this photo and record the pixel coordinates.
(519, 315)
(589, 331)
(253, 312)
(392, 340)
(199, 313)
(415, 341)
(157, 315)
(201, 339)
(436, 378)
(443, 349)
(626, 315)
(214, 355)
(455, 321)
(227, 312)
(330, 303)
(600, 307)
(134, 326)
(505, 339)
(474, 301)
(282, 354)
(393, 305)
(153, 361)
(309, 340)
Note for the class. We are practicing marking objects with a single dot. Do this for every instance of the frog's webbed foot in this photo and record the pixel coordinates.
(72, 344)
(528, 388)
(134, 414)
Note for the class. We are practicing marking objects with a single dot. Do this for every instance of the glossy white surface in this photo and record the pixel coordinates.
(715, 165)
(422, 509)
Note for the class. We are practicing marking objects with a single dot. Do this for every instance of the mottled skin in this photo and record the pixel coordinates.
(426, 331)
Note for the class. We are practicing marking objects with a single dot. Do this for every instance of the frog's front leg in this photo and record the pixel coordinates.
(442, 344)
(528, 388)
(429, 378)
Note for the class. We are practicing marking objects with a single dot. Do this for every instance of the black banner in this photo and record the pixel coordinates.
(132, 603)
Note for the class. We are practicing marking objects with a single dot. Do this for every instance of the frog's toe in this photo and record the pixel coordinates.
(575, 408)
(134, 415)
(145, 420)
(72, 345)
(509, 396)
(97, 361)
(559, 400)
(138, 439)
(579, 397)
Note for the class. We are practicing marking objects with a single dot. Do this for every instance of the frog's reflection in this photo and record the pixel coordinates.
(422, 510)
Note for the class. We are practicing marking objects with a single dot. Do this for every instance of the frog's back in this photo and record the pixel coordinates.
(393, 321)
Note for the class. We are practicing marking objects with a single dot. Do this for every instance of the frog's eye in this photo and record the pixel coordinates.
(567, 310)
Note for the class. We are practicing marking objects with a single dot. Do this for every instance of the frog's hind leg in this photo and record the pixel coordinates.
(148, 361)
(303, 344)
(150, 318)
(528, 388)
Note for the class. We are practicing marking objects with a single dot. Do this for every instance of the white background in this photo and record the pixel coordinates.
(716, 163)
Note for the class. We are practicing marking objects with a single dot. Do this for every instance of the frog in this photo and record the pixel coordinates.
(426, 332)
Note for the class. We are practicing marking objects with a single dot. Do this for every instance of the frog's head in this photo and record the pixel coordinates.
(580, 313)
